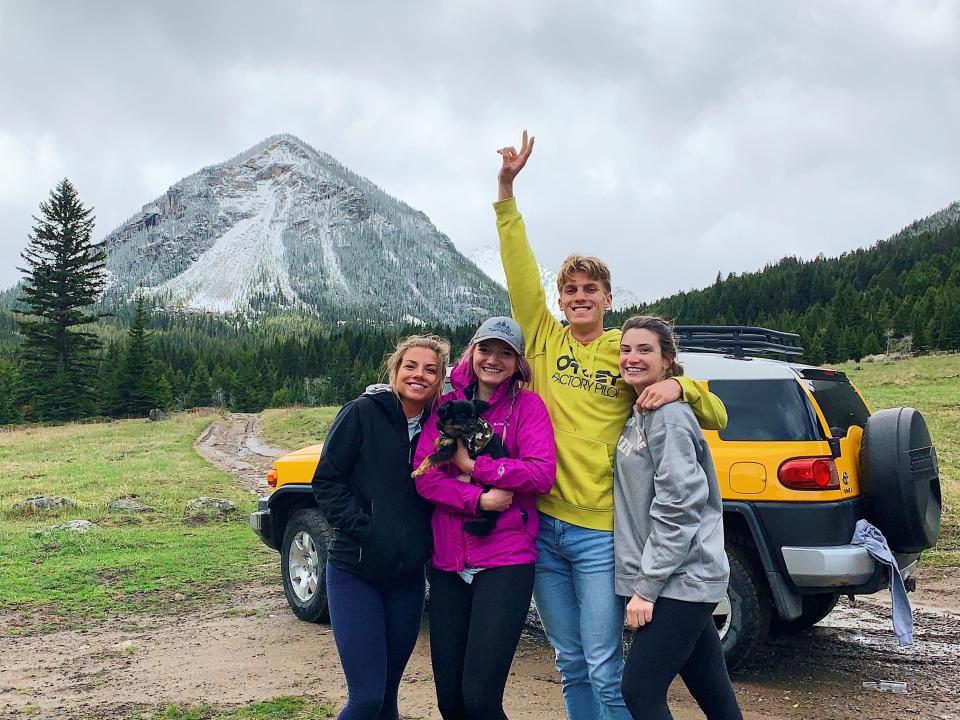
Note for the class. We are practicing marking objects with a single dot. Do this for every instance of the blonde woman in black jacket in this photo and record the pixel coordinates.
(382, 539)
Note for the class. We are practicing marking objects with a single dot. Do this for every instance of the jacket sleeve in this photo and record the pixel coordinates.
(437, 484)
(528, 301)
(681, 492)
(535, 470)
(331, 486)
(709, 409)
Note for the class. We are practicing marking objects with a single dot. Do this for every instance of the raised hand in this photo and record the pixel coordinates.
(512, 164)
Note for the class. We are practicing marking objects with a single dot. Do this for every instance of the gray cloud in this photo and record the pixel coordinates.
(673, 139)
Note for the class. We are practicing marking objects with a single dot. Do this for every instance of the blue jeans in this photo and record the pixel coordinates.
(582, 617)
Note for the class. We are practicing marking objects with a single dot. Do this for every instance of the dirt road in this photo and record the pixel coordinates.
(234, 444)
(247, 645)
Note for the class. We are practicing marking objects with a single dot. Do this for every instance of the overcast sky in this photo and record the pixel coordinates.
(674, 139)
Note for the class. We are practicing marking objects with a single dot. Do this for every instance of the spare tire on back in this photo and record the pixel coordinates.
(900, 479)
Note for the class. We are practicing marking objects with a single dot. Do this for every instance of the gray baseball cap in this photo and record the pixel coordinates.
(501, 328)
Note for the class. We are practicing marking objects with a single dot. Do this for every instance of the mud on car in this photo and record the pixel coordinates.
(801, 460)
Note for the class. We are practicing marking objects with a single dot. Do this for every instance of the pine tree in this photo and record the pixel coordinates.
(246, 389)
(141, 386)
(199, 394)
(64, 275)
(871, 345)
(9, 411)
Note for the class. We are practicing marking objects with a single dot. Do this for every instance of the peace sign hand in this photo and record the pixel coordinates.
(513, 163)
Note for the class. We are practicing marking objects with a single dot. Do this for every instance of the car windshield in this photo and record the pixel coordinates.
(766, 410)
(840, 403)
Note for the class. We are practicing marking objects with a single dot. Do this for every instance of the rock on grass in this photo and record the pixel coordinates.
(205, 509)
(42, 505)
(129, 504)
(75, 526)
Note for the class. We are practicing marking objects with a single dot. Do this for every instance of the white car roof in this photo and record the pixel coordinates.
(714, 366)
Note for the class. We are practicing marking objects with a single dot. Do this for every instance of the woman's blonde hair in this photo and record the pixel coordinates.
(439, 345)
(663, 329)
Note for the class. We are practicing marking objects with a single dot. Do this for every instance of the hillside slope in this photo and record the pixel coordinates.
(845, 307)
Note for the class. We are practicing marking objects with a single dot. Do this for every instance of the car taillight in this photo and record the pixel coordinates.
(809, 473)
(272, 477)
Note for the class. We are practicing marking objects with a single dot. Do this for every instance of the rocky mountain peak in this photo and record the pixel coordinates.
(283, 226)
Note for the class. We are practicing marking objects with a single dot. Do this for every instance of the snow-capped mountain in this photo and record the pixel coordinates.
(487, 258)
(284, 226)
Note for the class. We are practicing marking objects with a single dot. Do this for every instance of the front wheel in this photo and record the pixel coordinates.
(303, 563)
(743, 617)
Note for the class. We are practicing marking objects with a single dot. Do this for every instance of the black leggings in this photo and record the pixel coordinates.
(681, 639)
(474, 631)
(375, 625)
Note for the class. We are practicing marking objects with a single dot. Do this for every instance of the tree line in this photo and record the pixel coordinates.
(64, 356)
(906, 288)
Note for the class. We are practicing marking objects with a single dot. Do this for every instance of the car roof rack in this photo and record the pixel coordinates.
(737, 340)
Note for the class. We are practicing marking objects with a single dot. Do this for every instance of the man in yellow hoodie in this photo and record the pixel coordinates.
(576, 372)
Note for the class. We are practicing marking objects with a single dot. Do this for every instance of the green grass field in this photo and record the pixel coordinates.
(932, 385)
(130, 562)
(280, 708)
(294, 428)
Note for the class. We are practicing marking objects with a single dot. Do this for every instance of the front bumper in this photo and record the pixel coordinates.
(839, 566)
(261, 523)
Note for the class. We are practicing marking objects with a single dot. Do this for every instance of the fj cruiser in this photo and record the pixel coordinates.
(801, 460)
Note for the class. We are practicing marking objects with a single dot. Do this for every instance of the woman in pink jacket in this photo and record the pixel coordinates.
(480, 586)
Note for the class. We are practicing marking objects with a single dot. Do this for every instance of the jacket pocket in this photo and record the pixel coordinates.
(587, 462)
(511, 519)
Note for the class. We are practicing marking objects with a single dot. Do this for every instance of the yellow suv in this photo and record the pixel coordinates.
(801, 460)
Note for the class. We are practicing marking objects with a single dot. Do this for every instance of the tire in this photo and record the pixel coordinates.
(303, 562)
(900, 479)
(815, 608)
(743, 620)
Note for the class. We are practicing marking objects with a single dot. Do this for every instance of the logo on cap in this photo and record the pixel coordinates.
(503, 326)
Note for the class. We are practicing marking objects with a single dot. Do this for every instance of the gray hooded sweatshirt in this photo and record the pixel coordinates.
(668, 514)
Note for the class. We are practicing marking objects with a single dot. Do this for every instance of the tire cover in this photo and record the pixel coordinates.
(900, 479)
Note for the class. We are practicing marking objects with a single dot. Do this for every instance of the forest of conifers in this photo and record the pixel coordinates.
(845, 307)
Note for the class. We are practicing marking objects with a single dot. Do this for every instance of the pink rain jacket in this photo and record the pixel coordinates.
(520, 418)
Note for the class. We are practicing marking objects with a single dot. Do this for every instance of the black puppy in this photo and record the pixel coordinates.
(460, 420)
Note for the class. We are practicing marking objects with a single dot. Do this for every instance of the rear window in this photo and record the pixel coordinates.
(839, 403)
(765, 410)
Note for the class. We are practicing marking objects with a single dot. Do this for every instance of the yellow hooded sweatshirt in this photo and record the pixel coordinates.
(588, 401)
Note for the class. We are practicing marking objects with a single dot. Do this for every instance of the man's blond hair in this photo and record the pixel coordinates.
(593, 267)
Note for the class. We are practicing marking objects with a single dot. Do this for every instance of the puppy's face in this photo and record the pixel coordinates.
(458, 417)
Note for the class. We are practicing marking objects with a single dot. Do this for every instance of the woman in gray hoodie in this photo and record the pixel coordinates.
(668, 540)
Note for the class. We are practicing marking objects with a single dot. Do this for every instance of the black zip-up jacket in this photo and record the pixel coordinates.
(363, 487)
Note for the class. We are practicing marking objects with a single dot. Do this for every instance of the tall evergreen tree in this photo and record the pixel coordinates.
(140, 384)
(9, 410)
(64, 275)
(199, 394)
